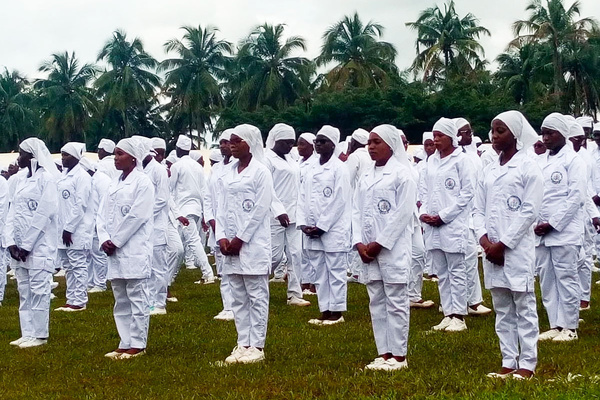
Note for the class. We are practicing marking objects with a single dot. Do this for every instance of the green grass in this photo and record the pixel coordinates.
(303, 361)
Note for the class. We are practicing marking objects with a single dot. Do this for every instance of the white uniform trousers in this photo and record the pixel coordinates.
(474, 294)
(390, 314)
(330, 279)
(4, 259)
(308, 271)
(34, 297)
(131, 312)
(452, 274)
(354, 263)
(415, 282)
(517, 327)
(225, 286)
(194, 247)
(585, 261)
(75, 263)
(250, 308)
(289, 241)
(559, 284)
(174, 252)
(428, 264)
(159, 277)
(98, 265)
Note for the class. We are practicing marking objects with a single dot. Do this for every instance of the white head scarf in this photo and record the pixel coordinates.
(427, 136)
(41, 155)
(309, 137)
(87, 164)
(135, 148)
(361, 136)
(448, 128)
(460, 122)
(585, 122)
(226, 134)
(184, 143)
(280, 132)
(477, 140)
(215, 155)
(172, 158)
(252, 136)
(520, 128)
(107, 145)
(159, 143)
(74, 149)
(195, 155)
(557, 122)
(391, 135)
(330, 133)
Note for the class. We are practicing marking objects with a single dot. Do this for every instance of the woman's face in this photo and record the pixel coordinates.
(502, 137)
(305, 149)
(123, 161)
(324, 146)
(24, 159)
(442, 142)
(379, 150)
(239, 148)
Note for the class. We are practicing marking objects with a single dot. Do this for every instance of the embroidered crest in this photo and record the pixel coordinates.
(450, 183)
(327, 192)
(66, 194)
(556, 177)
(32, 204)
(125, 210)
(513, 203)
(247, 205)
(384, 206)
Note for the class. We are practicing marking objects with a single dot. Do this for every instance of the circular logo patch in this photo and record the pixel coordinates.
(556, 177)
(32, 204)
(384, 206)
(449, 183)
(66, 194)
(247, 205)
(327, 192)
(125, 210)
(513, 203)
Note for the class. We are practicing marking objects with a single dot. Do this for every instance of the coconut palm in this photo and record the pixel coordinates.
(192, 79)
(362, 60)
(446, 43)
(581, 62)
(17, 116)
(65, 98)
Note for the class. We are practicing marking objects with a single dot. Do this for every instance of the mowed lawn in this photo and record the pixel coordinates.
(303, 361)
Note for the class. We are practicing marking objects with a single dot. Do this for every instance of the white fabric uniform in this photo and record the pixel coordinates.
(557, 252)
(324, 202)
(98, 264)
(307, 272)
(246, 201)
(286, 179)
(74, 188)
(4, 200)
(595, 156)
(175, 250)
(188, 187)
(382, 213)
(107, 165)
(126, 218)
(447, 191)
(507, 203)
(32, 225)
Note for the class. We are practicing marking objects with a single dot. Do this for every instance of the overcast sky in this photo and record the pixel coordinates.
(32, 30)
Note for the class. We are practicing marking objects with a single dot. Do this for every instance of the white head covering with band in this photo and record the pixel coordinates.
(252, 136)
(74, 149)
(135, 148)
(87, 164)
(159, 143)
(520, 128)
(226, 134)
(361, 136)
(585, 122)
(448, 128)
(107, 145)
(280, 132)
(427, 136)
(557, 122)
(184, 143)
(195, 155)
(309, 137)
(215, 155)
(391, 135)
(330, 133)
(41, 155)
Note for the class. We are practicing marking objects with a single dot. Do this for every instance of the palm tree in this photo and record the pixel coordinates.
(447, 44)
(192, 80)
(264, 73)
(128, 90)
(17, 116)
(362, 59)
(65, 99)
(582, 71)
(554, 24)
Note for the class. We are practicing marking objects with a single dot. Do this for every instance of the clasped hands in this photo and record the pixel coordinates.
(231, 248)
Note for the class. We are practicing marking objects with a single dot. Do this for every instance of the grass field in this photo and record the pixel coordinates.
(303, 361)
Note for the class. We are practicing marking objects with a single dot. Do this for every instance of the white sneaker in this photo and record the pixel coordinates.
(376, 364)
(158, 311)
(19, 341)
(277, 280)
(52, 296)
(456, 325)
(479, 310)
(60, 273)
(296, 301)
(53, 285)
(442, 325)
(595, 269)
(315, 321)
(191, 267)
(70, 309)
(208, 281)
(235, 355)
(11, 272)
(199, 282)
(114, 355)
(32, 342)
(549, 335)
(392, 364)
(333, 321)
(252, 355)
(225, 315)
(422, 304)
(125, 356)
(566, 335)
(172, 299)
(96, 289)
(352, 279)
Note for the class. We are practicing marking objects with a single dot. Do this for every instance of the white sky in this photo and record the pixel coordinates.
(32, 30)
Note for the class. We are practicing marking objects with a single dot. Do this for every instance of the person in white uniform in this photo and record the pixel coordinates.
(106, 158)
(4, 260)
(125, 228)
(244, 236)
(98, 261)
(507, 202)
(213, 202)
(306, 151)
(75, 232)
(429, 149)
(188, 187)
(285, 238)
(382, 230)
(447, 201)
(559, 228)
(324, 216)
(30, 235)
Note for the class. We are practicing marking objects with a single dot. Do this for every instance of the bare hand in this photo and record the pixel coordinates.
(212, 224)
(224, 246)
(284, 220)
(596, 223)
(596, 200)
(543, 229)
(362, 252)
(373, 249)
(109, 248)
(67, 239)
(235, 246)
(14, 252)
(204, 226)
(183, 220)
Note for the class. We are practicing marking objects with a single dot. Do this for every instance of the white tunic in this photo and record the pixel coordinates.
(507, 202)
(4, 201)
(100, 184)
(160, 179)
(286, 179)
(107, 165)
(74, 188)
(188, 186)
(357, 163)
(126, 218)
